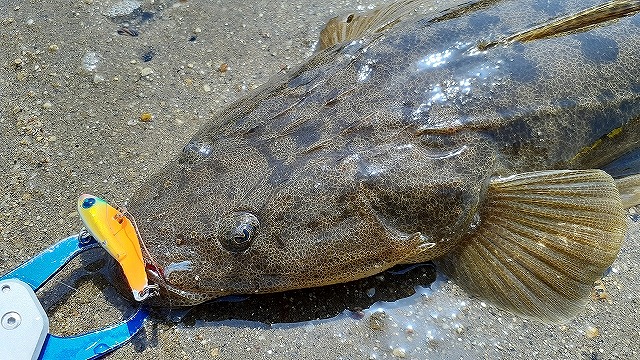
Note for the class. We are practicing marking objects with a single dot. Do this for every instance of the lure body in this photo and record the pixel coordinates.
(116, 234)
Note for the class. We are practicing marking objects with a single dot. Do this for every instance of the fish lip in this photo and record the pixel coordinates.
(155, 274)
(173, 291)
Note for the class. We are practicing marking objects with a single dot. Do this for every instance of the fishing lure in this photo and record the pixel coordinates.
(118, 235)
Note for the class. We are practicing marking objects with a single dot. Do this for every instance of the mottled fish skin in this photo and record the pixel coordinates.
(380, 151)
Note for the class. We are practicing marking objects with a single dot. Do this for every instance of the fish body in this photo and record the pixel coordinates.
(447, 135)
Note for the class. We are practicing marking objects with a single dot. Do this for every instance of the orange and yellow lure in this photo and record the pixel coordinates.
(118, 236)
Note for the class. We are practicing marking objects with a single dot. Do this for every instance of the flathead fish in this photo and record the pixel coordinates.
(500, 139)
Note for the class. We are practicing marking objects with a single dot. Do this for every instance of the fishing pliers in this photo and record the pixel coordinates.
(24, 328)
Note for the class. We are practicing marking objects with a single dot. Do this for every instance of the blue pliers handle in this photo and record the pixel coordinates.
(24, 325)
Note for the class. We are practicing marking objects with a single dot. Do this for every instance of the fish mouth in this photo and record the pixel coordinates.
(173, 296)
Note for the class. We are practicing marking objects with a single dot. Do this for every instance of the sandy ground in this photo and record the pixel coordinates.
(72, 90)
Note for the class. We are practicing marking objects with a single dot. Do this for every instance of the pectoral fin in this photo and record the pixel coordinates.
(544, 238)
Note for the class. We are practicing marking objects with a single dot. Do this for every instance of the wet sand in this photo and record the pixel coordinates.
(74, 84)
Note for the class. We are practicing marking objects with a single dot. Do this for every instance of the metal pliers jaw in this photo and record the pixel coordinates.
(24, 326)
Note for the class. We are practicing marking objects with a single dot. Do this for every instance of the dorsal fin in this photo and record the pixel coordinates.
(605, 152)
(357, 25)
(580, 21)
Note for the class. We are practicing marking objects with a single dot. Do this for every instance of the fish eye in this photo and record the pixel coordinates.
(242, 232)
(88, 202)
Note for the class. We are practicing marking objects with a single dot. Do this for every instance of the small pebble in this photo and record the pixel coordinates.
(148, 56)
(224, 67)
(399, 352)
(97, 78)
(358, 314)
(409, 330)
(206, 88)
(197, 30)
(599, 292)
(371, 292)
(146, 117)
(146, 71)
(377, 320)
(215, 352)
(128, 31)
(592, 332)
(90, 61)
(53, 48)
(47, 105)
(18, 64)
(123, 7)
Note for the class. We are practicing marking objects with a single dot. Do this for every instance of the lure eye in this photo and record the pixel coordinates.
(88, 202)
(242, 233)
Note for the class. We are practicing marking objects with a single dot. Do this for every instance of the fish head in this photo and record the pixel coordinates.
(234, 216)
